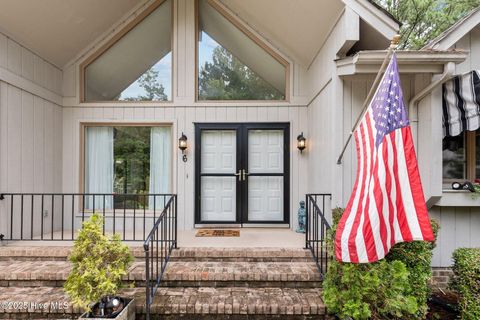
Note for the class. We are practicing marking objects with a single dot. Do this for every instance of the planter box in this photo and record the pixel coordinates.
(128, 313)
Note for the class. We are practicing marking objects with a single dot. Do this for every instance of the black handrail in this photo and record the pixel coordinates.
(316, 227)
(163, 235)
(57, 216)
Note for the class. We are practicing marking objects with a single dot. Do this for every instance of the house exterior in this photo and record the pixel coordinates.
(70, 90)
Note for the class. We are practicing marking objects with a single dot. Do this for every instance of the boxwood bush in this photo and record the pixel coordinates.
(466, 281)
(393, 288)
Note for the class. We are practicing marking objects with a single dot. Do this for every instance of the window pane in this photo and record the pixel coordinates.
(128, 160)
(231, 65)
(454, 157)
(132, 159)
(138, 67)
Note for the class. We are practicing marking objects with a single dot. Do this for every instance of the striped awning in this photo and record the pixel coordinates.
(461, 104)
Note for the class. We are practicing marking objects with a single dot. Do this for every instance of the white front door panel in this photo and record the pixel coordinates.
(218, 193)
(265, 192)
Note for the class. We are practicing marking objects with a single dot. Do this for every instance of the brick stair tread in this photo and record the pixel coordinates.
(61, 252)
(200, 252)
(176, 271)
(241, 271)
(186, 300)
(11, 253)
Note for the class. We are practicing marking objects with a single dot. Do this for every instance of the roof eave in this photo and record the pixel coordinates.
(374, 15)
(449, 37)
(369, 62)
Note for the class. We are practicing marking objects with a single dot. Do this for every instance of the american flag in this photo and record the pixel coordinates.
(387, 205)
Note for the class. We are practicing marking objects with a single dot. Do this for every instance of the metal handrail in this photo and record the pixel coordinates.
(163, 235)
(57, 216)
(316, 228)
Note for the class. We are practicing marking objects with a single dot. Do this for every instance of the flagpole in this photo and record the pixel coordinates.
(391, 49)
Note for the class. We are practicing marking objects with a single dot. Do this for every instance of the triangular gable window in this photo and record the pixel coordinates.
(233, 65)
(137, 64)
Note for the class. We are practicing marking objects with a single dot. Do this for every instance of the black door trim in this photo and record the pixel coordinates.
(242, 162)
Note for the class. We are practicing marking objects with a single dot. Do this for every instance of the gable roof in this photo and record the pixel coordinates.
(457, 31)
(385, 11)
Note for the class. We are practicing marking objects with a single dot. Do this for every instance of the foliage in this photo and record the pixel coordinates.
(98, 264)
(154, 91)
(226, 78)
(369, 291)
(417, 257)
(395, 287)
(423, 20)
(132, 159)
(466, 281)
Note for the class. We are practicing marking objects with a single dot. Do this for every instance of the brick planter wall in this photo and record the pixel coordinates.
(441, 277)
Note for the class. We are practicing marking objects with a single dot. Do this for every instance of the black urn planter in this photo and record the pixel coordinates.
(125, 310)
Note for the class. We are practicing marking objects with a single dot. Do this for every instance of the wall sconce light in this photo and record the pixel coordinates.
(182, 145)
(301, 142)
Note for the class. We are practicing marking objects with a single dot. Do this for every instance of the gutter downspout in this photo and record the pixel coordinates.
(448, 72)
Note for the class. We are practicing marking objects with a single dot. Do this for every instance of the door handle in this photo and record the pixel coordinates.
(239, 175)
(244, 174)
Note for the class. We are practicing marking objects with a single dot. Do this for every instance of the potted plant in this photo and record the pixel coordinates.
(99, 263)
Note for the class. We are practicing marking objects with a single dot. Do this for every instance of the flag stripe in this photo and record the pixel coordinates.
(401, 215)
(352, 243)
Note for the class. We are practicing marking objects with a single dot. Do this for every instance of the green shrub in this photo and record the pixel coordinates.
(369, 291)
(98, 264)
(466, 281)
(417, 257)
(395, 287)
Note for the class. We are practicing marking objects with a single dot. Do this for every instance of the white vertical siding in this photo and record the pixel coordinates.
(471, 43)
(26, 64)
(459, 227)
(30, 145)
(30, 125)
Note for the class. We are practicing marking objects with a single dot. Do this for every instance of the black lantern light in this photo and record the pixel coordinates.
(182, 145)
(301, 142)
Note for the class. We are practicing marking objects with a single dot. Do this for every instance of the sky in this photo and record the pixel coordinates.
(164, 66)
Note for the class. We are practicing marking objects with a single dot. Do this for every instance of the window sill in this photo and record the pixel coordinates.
(458, 198)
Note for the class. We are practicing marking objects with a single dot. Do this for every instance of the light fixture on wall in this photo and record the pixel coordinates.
(182, 145)
(301, 142)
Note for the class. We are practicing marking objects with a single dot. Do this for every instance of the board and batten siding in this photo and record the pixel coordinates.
(182, 120)
(30, 124)
(459, 226)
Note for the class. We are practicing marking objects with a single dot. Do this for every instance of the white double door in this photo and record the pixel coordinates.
(242, 173)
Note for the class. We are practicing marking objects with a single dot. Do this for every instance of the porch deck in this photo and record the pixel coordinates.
(249, 237)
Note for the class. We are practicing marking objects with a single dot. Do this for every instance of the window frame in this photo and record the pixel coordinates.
(114, 39)
(470, 159)
(261, 43)
(84, 125)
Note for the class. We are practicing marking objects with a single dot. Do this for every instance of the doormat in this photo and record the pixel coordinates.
(217, 233)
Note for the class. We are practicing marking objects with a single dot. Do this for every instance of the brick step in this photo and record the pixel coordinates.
(241, 274)
(185, 303)
(60, 253)
(49, 253)
(241, 254)
(178, 273)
